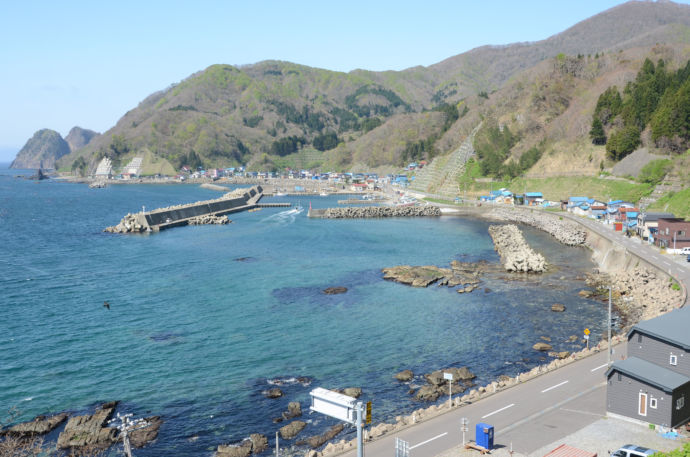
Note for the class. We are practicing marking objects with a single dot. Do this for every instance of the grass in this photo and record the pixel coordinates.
(677, 203)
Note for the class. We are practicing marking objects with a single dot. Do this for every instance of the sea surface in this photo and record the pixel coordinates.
(203, 319)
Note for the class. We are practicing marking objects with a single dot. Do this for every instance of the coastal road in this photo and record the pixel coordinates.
(665, 262)
(527, 416)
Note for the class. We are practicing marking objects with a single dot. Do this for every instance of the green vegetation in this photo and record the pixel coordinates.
(370, 124)
(657, 98)
(417, 150)
(394, 101)
(326, 141)
(677, 203)
(493, 145)
(655, 171)
(252, 121)
(679, 452)
(79, 166)
(287, 145)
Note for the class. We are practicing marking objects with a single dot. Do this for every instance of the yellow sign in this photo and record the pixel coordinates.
(586, 331)
(368, 421)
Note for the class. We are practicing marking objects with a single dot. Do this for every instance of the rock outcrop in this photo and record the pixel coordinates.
(437, 386)
(381, 211)
(404, 376)
(256, 444)
(292, 429)
(319, 440)
(335, 290)
(78, 137)
(459, 274)
(40, 425)
(42, 150)
(142, 436)
(542, 347)
(89, 430)
(516, 255)
(558, 307)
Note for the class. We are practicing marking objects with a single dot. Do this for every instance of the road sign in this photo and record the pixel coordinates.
(402, 448)
(586, 337)
(368, 420)
(587, 332)
(448, 376)
(333, 404)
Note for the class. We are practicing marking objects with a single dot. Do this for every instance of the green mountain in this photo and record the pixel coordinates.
(42, 150)
(274, 114)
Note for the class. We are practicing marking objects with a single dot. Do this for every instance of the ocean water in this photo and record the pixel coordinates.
(203, 319)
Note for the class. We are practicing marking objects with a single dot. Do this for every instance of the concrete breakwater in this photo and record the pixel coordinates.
(202, 212)
(565, 231)
(375, 211)
(516, 254)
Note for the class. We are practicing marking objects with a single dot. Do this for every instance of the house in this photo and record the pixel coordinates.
(673, 233)
(652, 384)
(532, 197)
(648, 224)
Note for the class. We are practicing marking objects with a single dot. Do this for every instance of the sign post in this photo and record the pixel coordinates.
(463, 427)
(587, 337)
(449, 377)
(339, 406)
(402, 448)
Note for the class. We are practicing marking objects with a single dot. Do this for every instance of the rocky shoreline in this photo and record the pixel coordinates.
(381, 211)
(516, 254)
(565, 231)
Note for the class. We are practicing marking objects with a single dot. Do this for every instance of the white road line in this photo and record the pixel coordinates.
(553, 387)
(498, 410)
(599, 368)
(667, 263)
(429, 440)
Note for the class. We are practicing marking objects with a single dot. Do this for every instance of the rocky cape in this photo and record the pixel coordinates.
(47, 146)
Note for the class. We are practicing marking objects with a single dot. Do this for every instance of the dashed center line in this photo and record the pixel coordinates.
(553, 387)
(499, 410)
(599, 368)
(429, 440)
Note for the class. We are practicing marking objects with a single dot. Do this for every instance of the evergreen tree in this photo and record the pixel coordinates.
(597, 133)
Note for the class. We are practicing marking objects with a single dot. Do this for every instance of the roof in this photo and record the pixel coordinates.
(649, 373)
(533, 194)
(656, 216)
(578, 199)
(671, 327)
(568, 451)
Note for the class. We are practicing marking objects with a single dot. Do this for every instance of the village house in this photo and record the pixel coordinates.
(652, 384)
(533, 198)
(673, 233)
(648, 224)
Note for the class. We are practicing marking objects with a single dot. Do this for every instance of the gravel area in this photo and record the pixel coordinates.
(603, 437)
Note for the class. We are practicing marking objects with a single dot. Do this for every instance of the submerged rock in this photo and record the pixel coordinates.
(292, 429)
(273, 393)
(558, 307)
(404, 376)
(335, 290)
(542, 347)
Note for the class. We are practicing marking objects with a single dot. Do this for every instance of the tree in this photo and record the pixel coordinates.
(597, 133)
(622, 142)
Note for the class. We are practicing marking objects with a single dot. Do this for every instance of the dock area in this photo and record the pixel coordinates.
(207, 212)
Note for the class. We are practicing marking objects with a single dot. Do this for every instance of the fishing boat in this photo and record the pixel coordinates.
(280, 194)
(323, 193)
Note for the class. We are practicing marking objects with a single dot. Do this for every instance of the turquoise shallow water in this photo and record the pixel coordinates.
(195, 335)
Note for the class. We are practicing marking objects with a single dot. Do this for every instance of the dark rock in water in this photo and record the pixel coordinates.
(558, 307)
(294, 410)
(335, 290)
(572, 338)
(416, 276)
(459, 374)
(244, 259)
(273, 393)
(542, 347)
(354, 392)
(259, 443)
(318, 440)
(427, 393)
(487, 290)
(39, 426)
(89, 430)
(545, 338)
(228, 450)
(404, 376)
(140, 437)
(292, 429)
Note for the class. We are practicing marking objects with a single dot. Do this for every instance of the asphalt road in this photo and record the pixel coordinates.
(539, 411)
(526, 417)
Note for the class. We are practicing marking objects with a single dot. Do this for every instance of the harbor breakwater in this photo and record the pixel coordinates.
(516, 254)
(375, 211)
(202, 212)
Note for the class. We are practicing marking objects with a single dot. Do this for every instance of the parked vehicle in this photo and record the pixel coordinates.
(685, 251)
(631, 450)
(688, 259)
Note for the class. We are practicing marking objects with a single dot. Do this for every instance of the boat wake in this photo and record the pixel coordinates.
(284, 217)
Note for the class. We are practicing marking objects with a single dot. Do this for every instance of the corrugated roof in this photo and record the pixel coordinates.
(578, 199)
(649, 373)
(534, 194)
(568, 451)
(656, 216)
(672, 327)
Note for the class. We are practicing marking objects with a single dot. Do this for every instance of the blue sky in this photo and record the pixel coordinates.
(87, 63)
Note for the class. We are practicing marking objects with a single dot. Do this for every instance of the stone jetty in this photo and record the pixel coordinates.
(565, 231)
(516, 255)
(376, 211)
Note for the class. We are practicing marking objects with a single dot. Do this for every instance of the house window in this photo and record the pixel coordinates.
(667, 230)
(680, 402)
(620, 377)
(639, 337)
(681, 232)
(673, 360)
(652, 403)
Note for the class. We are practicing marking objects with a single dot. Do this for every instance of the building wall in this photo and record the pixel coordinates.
(622, 397)
(658, 352)
(681, 416)
(680, 228)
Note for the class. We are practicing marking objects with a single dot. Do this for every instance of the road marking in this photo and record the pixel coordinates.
(581, 412)
(429, 440)
(553, 387)
(498, 410)
(599, 368)
(667, 263)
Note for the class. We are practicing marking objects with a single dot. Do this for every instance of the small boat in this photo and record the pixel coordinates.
(280, 194)
(323, 193)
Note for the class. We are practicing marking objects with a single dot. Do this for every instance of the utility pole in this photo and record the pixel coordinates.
(358, 424)
(126, 426)
(609, 355)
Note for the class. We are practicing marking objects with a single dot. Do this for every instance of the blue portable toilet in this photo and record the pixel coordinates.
(484, 436)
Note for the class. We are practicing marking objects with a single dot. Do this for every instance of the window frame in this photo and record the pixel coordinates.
(673, 359)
